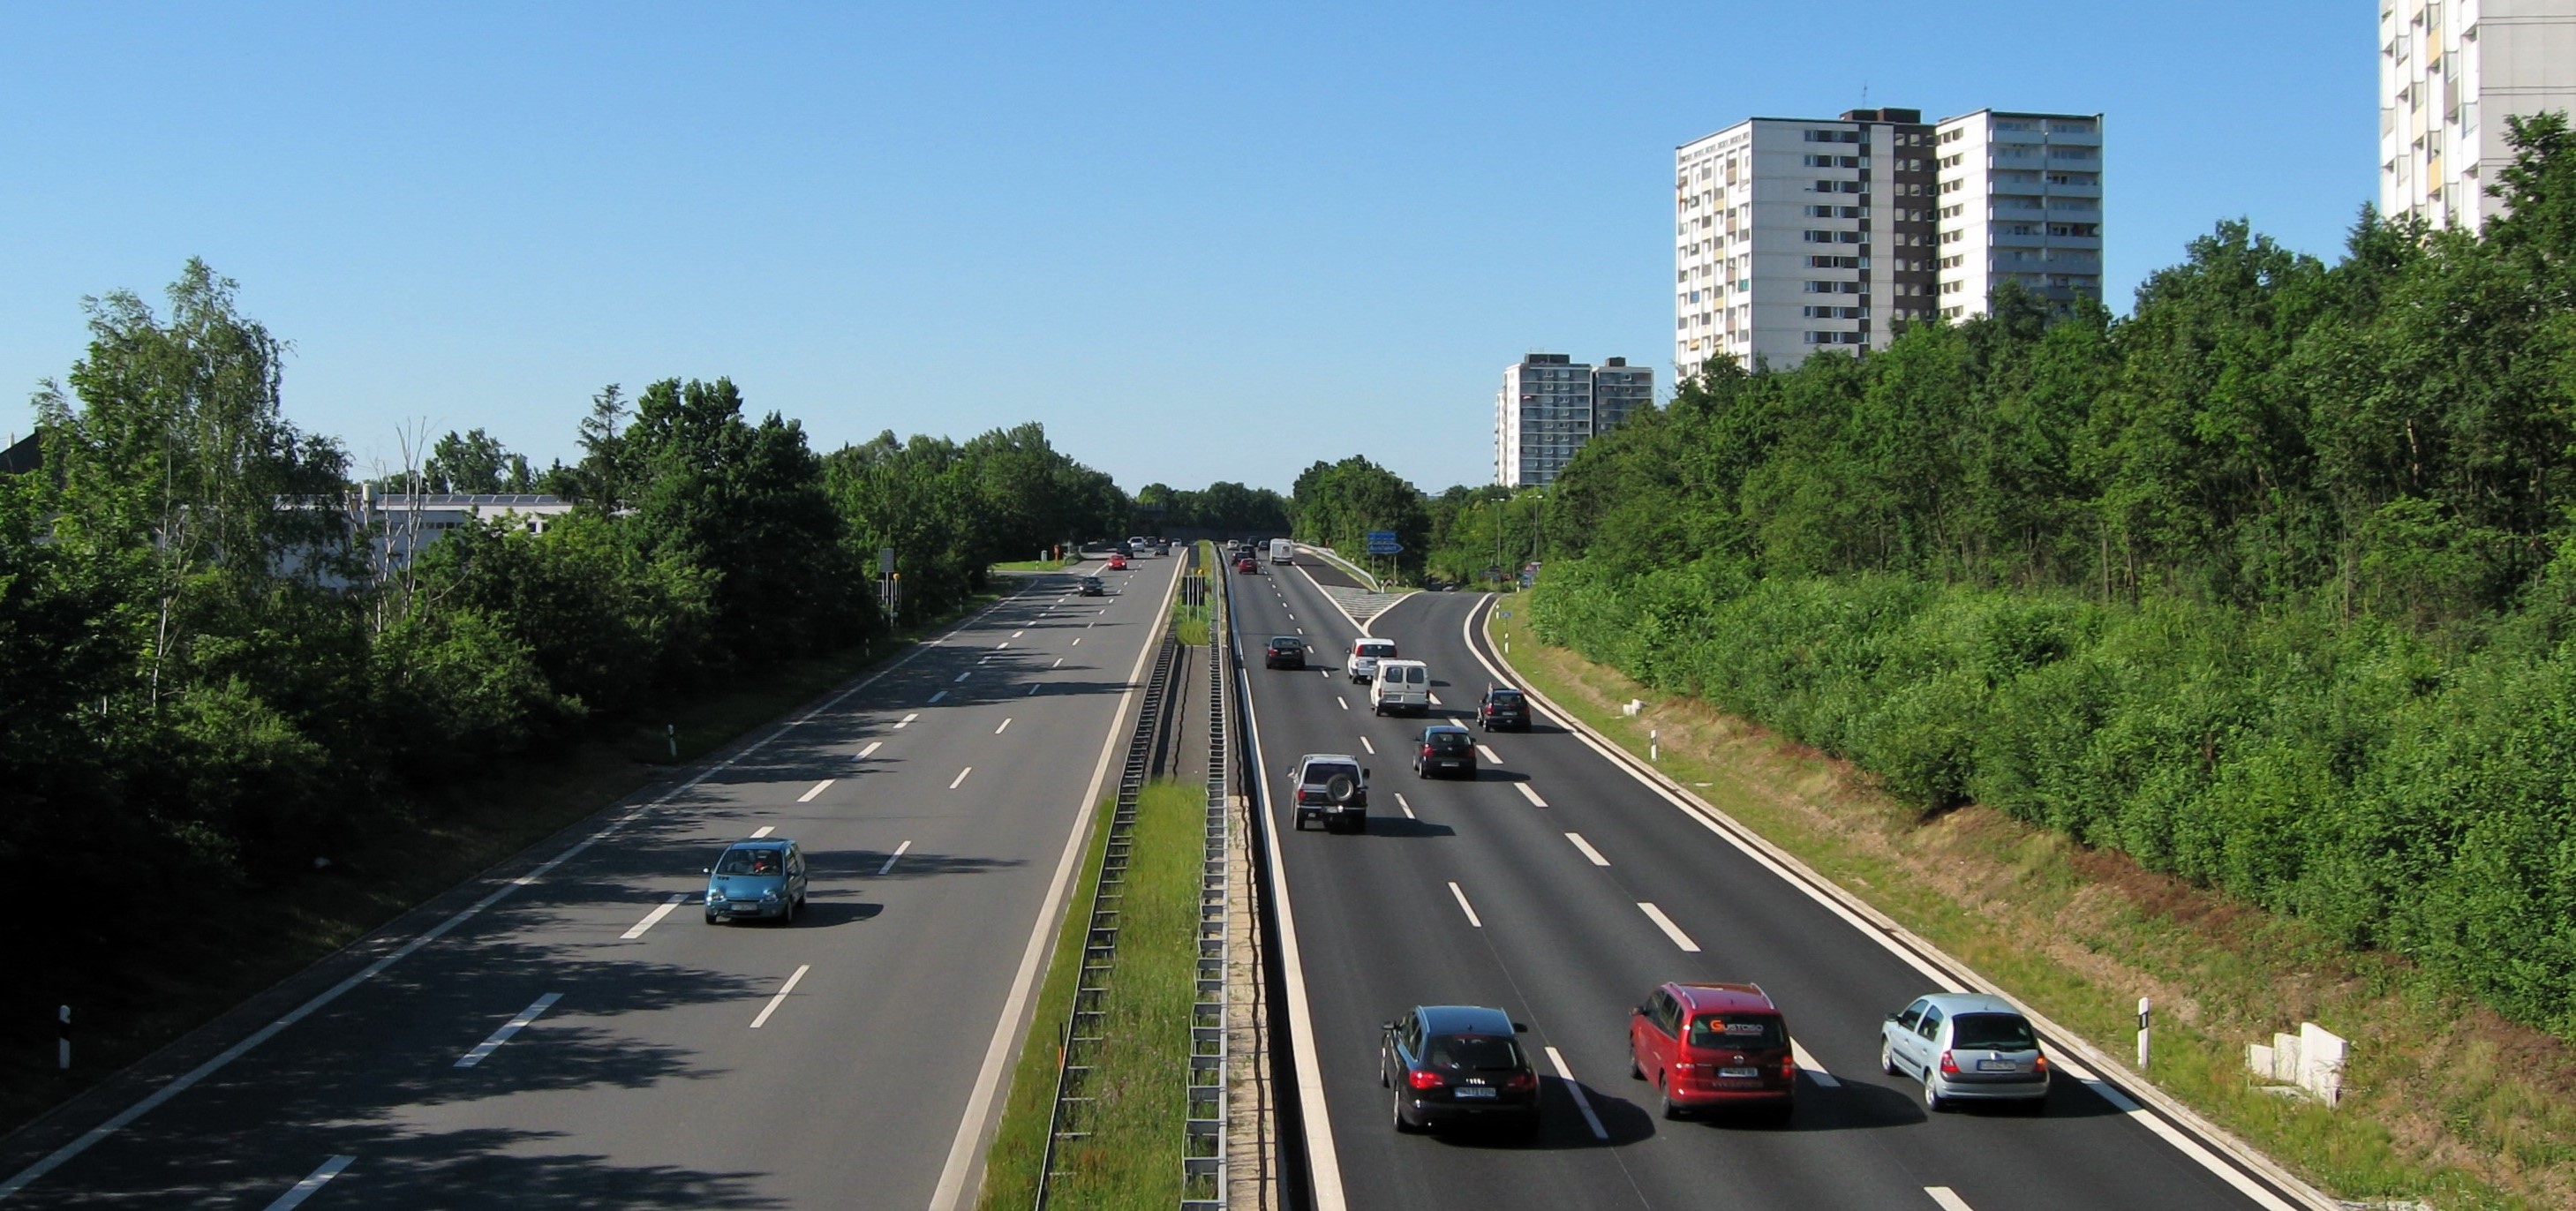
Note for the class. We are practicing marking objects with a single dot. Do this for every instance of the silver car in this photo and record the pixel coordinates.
(1965, 1046)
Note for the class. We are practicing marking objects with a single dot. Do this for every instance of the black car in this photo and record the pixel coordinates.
(1445, 748)
(1284, 652)
(1453, 1064)
(1503, 708)
(1091, 587)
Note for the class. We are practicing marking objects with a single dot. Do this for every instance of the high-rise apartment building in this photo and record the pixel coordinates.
(1551, 404)
(2021, 199)
(2449, 73)
(1799, 234)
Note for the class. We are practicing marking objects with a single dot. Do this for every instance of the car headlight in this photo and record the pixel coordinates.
(769, 895)
(715, 897)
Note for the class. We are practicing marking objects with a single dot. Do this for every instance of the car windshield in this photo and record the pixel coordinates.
(1473, 1052)
(748, 862)
(1992, 1032)
(1449, 742)
(1736, 1030)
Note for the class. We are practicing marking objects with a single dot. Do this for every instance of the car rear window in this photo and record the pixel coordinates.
(1737, 1030)
(1473, 1052)
(1322, 772)
(1376, 649)
(1507, 698)
(1286, 641)
(1993, 1032)
(1450, 742)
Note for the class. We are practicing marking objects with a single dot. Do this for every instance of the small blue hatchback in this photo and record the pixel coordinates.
(757, 878)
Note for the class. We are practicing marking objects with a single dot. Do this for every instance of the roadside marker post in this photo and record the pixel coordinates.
(2145, 1023)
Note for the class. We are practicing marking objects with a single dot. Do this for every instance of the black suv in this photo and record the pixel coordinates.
(1284, 652)
(1458, 1064)
(1333, 788)
(1503, 708)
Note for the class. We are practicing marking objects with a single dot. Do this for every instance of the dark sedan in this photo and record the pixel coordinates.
(1453, 1064)
(1284, 652)
(1091, 587)
(1503, 708)
(1445, 748)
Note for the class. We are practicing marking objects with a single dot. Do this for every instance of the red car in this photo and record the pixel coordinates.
(1713, 1045)
(1117, 563)
(1247, 564)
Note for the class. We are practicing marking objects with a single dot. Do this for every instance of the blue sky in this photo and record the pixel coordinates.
(1196, 241)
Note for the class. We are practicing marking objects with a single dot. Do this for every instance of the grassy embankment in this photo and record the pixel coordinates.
(2445, 1101)
(1132, 1159)
(135, 1000)
(1038, 565)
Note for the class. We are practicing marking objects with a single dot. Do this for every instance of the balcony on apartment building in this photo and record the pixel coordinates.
(2063, 137)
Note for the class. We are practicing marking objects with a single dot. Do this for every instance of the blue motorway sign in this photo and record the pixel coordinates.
(1382, 542)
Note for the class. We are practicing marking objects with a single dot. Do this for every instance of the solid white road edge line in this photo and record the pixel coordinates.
(1588, 851)
(181, 1083)
(966, 1149)
(1581, 1102)
(1949, 1201)
(1671, 930)
(1323, 1157)
(312, 1183)
(1879, 928)
(781, 997)
(1527, 793)
(1798, 1052)
(818, 788)
(1465, 907)
(654, 917)
(961, 777)
(511, 1027)
(893, 858)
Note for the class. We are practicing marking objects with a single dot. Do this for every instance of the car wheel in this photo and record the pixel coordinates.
(1886, 1058)
(1635, 1072)
(711, 918)
(1932, 1099)
(1664, 1101)
(1402, 1126)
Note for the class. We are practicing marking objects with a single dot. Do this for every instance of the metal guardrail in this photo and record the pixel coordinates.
(1081, 1036)
(1203, 1171)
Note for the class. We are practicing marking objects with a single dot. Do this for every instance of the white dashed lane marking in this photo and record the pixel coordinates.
(511, 1027)
(1581, 1102)
(312, 1184)
(1588, 851)
(1487, 752)
(1814, 1070)
(1408, 808)
(893, 858)
(781, 998)
(816, 789)
(1671, 930)
(961, 781)
(654, 917)
(1465, 907)
(869, 751)
(1364, 743)
(1527, 793)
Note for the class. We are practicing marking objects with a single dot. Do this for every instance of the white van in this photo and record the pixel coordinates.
(1365, 653)
(1281, 550)
(1401, 687)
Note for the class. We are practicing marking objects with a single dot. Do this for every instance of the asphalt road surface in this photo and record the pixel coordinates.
(657, 1061)
(1558, 887)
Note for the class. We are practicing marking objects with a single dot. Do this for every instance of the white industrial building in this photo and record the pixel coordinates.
(1551, 404)
(2450, 71)
(1793, 235)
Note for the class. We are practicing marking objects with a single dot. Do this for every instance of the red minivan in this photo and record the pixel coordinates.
(1708, 1045)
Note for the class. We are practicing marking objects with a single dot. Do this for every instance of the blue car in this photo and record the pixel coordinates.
(757, 878)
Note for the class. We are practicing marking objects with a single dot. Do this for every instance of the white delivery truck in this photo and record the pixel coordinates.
(1281, 551)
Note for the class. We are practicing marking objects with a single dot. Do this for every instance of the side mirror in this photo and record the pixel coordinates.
(1639, 1011)
(1364, 772)
(1388, 1027)
(1891, 1017)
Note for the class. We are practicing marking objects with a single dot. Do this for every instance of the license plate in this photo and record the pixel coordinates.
(1739, 1073)
(1472, 1091)
(1997, 1066)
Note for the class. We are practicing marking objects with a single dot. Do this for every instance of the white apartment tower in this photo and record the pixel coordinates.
(2021, 199)
(1799, 234)
(1551, 404)
(2449, 73)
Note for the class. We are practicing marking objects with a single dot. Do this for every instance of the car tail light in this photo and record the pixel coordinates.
(1788, 1069)
(1949, 1066)
(1523, 1082)
(1426, 750)
(2039, 1064)
(1424, 1078)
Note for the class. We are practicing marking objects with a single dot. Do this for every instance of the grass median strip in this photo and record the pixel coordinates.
(2446, 1103)
(1131, 1157)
